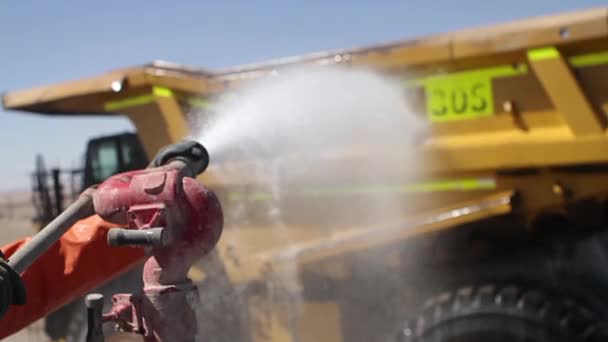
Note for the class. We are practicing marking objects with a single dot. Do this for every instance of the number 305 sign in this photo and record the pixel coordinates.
(458, 98)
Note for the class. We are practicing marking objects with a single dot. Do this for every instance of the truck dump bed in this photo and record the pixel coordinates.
(524, 94)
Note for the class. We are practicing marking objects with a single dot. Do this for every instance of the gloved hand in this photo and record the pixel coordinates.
(188, 149)
(12, 290)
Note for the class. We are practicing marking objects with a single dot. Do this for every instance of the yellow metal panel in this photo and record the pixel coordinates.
(420, 52)
(268, 321)
(500, 122)
(179, 81)
(47, 95)
(590, 59)
(261, 250)
(159, 123)
(173, 118)
(565, 28)
(444, 218)
(567, 96)
(319, 322)
(550, 147)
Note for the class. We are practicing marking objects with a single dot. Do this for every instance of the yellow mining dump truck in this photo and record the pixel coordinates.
(505, 238)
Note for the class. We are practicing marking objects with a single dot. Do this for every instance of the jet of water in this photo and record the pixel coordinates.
(308, 110)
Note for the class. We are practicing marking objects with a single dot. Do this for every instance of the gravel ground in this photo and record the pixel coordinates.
(34, 333)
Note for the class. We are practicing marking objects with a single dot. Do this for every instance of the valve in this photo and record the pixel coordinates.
(177, 220)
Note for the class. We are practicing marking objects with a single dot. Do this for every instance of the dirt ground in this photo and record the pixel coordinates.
(16, 213)
(15, 221)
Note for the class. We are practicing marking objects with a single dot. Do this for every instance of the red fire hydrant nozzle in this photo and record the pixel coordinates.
(178, 220)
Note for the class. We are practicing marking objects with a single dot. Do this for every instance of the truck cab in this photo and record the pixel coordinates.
(109, 155)
(105, 156)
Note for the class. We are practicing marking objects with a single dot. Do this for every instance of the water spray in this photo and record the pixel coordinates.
(320, 149)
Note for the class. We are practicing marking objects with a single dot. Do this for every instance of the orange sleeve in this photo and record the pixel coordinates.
(78, 263)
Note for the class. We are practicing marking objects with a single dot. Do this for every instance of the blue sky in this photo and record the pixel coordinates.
(52, 41)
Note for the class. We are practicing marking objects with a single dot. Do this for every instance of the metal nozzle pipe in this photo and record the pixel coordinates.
(41, 242)
(154, 237)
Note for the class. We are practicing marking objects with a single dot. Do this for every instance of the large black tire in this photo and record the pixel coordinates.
(503, 314)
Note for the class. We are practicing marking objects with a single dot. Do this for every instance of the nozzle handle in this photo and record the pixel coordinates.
(41, 242)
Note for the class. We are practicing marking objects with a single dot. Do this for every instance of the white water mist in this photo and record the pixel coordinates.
(296, 128)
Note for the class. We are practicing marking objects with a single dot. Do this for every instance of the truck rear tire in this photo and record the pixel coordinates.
(502, 314)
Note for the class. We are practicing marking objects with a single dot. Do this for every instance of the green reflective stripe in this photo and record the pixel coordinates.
(198, 103)
(436, 186)
(451, 185)
(590, 59)
(128, 102)
(149, 98)
(471, 184)
(162, 92)
(138, 100)
(543, 53)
